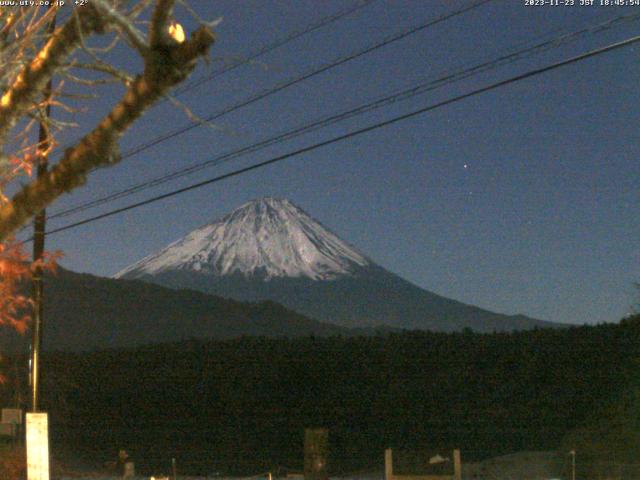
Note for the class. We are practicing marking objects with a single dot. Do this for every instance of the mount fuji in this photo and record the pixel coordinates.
(265, 239)
(270, 249)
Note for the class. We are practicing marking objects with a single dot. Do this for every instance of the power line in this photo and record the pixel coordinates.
(334, 118)
(391, 39)
(266, 49)
(277, 44)
(354, 133)
(316, 71)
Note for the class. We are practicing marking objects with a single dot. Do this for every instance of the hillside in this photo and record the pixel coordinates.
(84, 312)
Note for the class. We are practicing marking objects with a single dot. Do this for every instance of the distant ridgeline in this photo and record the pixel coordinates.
(240, 406)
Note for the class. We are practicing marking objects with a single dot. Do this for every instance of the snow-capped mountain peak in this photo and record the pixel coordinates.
(266, 238)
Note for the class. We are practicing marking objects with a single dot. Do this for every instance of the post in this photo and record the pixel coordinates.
(573, 464)
(129, 470)
(388, 464)
(316, 449)
(38, 241)
(37, 289)
(37, 424)
(457, 465)
(173, 468)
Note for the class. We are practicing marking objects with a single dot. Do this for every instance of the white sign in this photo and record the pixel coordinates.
(37, 446)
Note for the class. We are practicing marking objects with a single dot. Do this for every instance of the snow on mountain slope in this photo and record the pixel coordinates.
(265, 238)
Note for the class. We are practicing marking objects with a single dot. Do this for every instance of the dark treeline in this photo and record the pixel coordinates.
(240, 406)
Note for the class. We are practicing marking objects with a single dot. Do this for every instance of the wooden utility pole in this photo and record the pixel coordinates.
(37, 424)
(39, 223)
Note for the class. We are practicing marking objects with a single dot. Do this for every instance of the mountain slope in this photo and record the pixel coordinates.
(271, 249)
(84, 312)
(373, 297)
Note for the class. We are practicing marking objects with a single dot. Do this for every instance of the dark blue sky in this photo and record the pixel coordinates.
(543, 220)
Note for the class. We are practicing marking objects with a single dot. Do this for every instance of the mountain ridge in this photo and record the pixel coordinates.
(86, 312)
(278, 252)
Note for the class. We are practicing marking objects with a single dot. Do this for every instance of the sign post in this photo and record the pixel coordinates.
(316, 451)
(37, 446)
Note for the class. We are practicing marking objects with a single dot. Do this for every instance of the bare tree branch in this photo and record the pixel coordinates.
(31, 81)
(124, 25)
(103, 67)
(166, 65)
(159, 27)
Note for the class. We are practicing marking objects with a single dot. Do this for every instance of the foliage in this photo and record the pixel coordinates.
(32, 52)
(241, 405)
(608, 443)
(15, 269)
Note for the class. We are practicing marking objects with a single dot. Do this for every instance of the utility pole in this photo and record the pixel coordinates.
(37, 424)
(39, 223)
